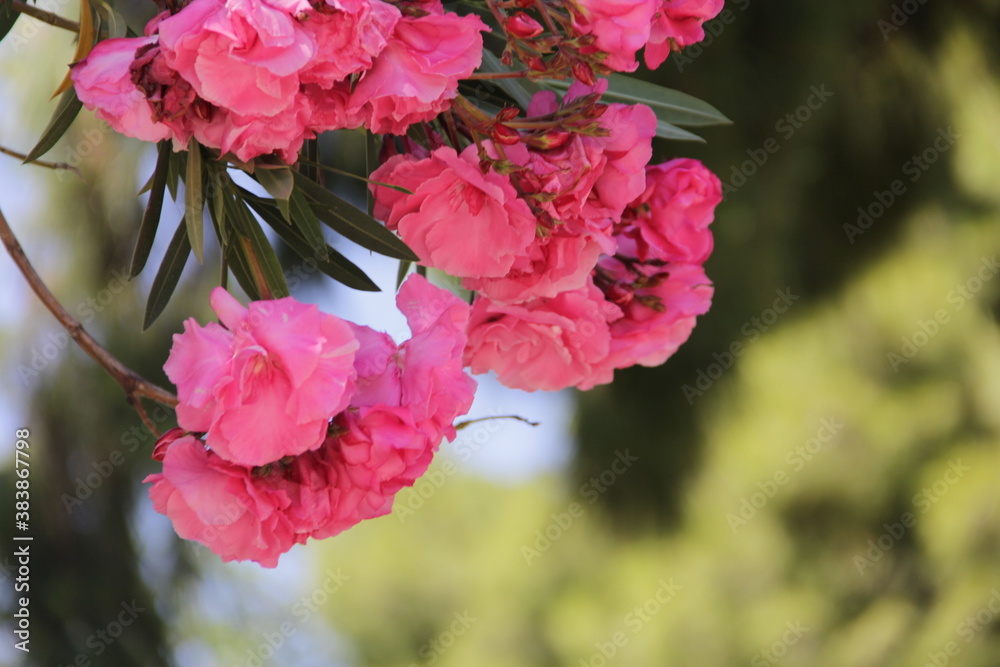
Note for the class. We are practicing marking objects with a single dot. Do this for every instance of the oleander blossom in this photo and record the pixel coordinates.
(387, 425)
(678, 23)
(457, 219)
(265, 383)
(619, 29)
(670, 220)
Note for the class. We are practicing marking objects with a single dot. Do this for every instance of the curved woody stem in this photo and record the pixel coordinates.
(136, 387)
(42, 15)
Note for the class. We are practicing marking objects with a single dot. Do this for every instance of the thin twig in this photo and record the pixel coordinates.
(135, 386)
(43, 16)
(41, 163)
(459, 426)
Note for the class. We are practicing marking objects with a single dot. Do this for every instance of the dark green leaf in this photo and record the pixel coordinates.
(336, 265)
(279, 184)
(67, 109)
(520, 90)
(250, 246)
(151, 217)
(404, 268)
(178, 163)
(194, 200)
(665, 130)
(7, 19)
(168, 275)
(670, 106)
(307, 223)
(352, 223)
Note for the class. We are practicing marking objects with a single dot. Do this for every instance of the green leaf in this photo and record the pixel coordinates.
(307, 223)
(519, 90)
(7, 19)
(233, 260)
(151, 217)
(665, 130)
(279, 184)
(404, 268)
(178, 163)
(218, 208)
(194, 200)
(168, 275)
(117, 25)
(352, 223)
(67, 109)
(336, 265)
(251, 246)
(670, 106)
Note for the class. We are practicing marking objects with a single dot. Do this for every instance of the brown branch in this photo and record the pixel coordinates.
(42, 15)
(41, 163)
(135, 386)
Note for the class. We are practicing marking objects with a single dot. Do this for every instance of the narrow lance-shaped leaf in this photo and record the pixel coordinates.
(307, 223)
(252, 244)
(404, 268)
(336, 265)
(178, 162)
(520, 90)
(85, 42)
(279, 184)
(353, 223)
(194, 201)
(67, 109)
(151, 217)
(665, 130)
(166, 278)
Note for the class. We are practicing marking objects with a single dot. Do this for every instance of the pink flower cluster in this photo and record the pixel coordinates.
(311, 423)
(252, 77)
(620, 28)
(583, 259)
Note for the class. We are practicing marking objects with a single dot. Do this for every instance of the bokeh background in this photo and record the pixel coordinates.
(813, 479)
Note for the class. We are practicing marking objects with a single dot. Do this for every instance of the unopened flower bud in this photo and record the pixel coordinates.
(523, 26)
(503, 134)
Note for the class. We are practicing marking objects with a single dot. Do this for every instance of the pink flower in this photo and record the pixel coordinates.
(266, 385)
(349, 34)
(247, 137)
(620, 28)
(680, 21)
(670, 220)
(553, 264)
(104, 83)
(458, 219)
(221, 505)
(416, 76)
(546, 344)
(242, 55)
(659, 306)
(425, 374)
